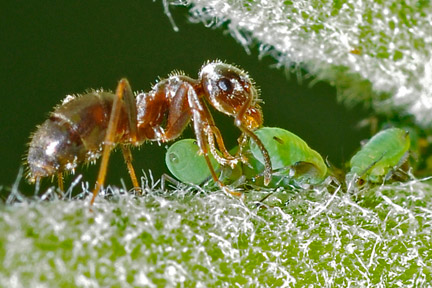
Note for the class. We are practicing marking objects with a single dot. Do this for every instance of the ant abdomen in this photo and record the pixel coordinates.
(73, 134)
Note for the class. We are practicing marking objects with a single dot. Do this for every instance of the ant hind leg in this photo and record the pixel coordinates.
(123, 95)
(127, 155)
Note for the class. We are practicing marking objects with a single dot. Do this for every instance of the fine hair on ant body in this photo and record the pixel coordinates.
(83, 128)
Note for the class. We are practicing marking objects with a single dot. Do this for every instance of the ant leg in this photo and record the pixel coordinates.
(180, 112)
(131, 110)
(60, 181)
(127, 155)
(129, 104)
(242, 142)
(214, 132)
(233, 160)
(238, 121)
(267, 163)
(217, 181)
(122, 88)
(266, 156)
(220, 159)
(202, 128)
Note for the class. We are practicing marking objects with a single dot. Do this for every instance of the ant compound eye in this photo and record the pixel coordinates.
(227, 87)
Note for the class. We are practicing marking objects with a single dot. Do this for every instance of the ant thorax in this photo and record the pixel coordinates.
(164, 111)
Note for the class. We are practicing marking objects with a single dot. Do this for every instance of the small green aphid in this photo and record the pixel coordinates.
(290, 155)
(185, 162)
(379, 159)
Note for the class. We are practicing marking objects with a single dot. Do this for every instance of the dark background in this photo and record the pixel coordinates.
(50, 50)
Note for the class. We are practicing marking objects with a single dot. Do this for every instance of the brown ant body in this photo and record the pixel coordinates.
(85, 127)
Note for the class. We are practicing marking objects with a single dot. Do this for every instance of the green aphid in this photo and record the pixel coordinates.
(185, 162)
(290, 156)
(381, 157)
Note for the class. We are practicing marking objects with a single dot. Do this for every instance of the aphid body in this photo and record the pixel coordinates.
(380, 156)
(290, 155)
(187, 164)
(85, 127)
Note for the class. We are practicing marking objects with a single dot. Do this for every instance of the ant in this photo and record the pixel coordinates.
(83, 128)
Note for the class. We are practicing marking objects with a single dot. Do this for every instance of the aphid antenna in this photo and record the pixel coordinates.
(279, 181)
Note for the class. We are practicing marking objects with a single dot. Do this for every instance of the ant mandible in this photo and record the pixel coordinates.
(83, 128)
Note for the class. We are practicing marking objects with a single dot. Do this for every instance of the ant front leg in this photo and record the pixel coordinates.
(239, 121)
(204, 132)
(213, 132)
(123, 98)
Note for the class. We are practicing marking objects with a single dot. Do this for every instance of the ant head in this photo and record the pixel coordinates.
(231, 91)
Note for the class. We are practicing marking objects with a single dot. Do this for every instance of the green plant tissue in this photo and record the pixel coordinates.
(375, 52)
(306, 238)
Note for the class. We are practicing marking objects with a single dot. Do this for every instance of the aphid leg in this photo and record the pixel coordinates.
(123, 88)
(60, 181)
(363, 173)
(399, 171)
(167, 178)
(127, 155)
